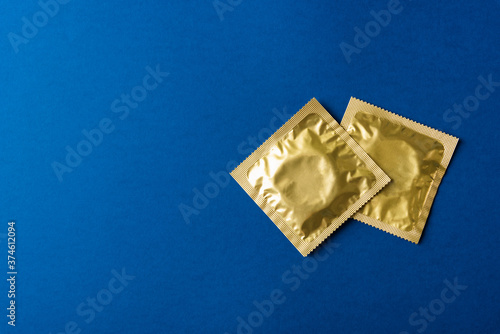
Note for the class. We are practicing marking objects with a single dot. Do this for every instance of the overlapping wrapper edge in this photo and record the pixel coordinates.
(449, 143)
(239, 174)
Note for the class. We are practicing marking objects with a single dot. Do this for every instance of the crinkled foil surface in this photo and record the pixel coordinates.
(411, 160)
(310, 177)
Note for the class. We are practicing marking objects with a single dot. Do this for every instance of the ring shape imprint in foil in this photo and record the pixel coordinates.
(309, 177)
(413, 155)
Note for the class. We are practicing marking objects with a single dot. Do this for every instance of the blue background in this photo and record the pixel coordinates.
(119, 208)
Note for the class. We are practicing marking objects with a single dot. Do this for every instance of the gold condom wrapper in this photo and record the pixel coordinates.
(309, 177)
(413, 155)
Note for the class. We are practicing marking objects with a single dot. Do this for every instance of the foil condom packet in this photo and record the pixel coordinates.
(309, 177)
(413, 155)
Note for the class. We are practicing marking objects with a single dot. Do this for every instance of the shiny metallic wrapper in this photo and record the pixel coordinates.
(413, 155)
(309, 177)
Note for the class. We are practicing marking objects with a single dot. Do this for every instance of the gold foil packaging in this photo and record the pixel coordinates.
(413, 155)
(309, 177)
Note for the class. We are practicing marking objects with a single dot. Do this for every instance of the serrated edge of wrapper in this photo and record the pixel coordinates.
(240, 175)
(449, 143)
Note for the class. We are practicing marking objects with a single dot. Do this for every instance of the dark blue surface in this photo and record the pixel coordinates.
(119, 208)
